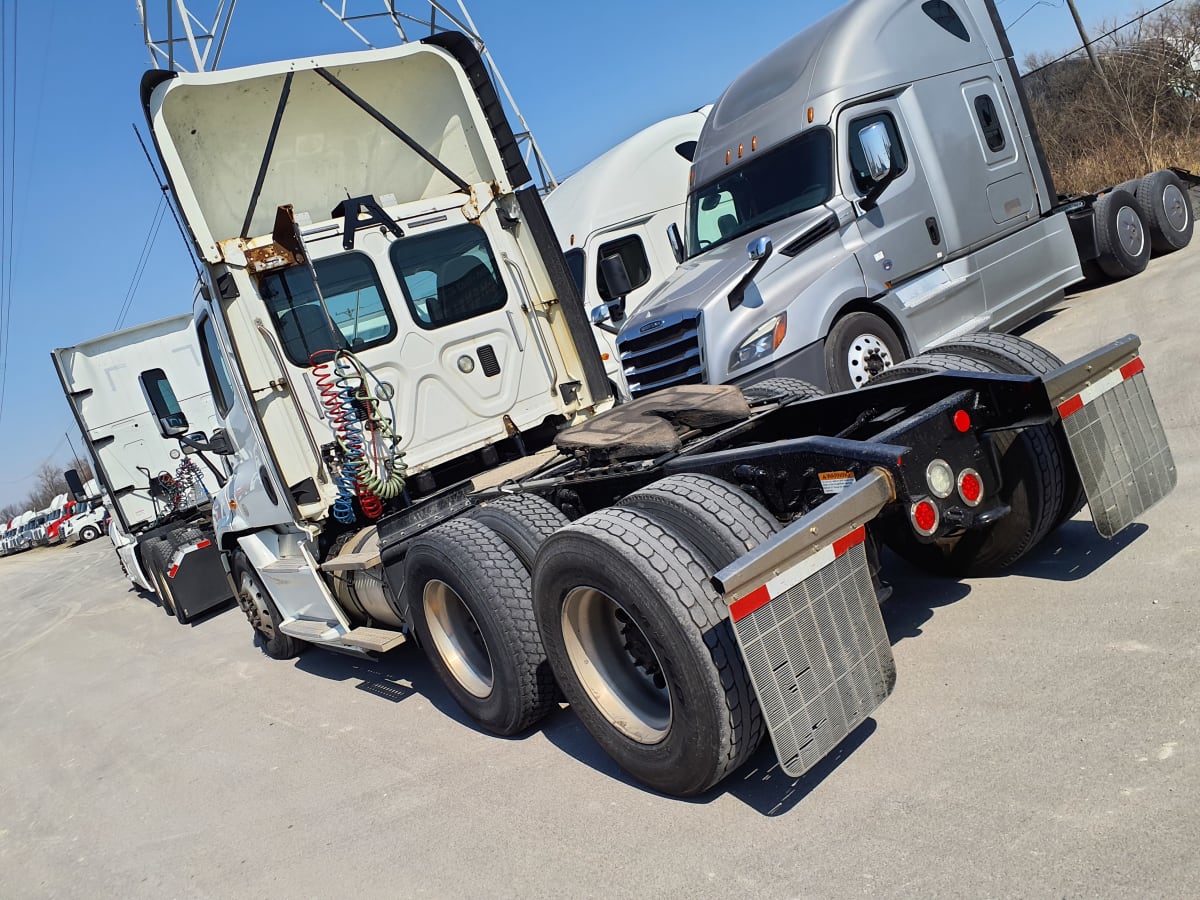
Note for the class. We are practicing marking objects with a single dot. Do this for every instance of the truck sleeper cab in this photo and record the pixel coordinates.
(648, 558)
(906, 202)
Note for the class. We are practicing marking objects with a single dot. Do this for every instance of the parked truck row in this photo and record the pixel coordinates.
(413, 433)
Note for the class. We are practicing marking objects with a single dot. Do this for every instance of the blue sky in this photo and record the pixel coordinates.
(586, 75)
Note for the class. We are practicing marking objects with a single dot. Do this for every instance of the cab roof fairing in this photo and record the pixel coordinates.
(212, 130)
(864, 48)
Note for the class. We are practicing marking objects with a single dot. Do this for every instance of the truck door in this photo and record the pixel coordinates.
(902, 235)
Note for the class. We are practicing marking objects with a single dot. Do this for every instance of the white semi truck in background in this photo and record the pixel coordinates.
(415, 437)
(156, 492)
(622, 204)
(884, 175)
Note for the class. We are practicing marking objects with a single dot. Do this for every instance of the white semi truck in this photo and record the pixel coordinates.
(157, 494)
(883, 174)
(414, 428)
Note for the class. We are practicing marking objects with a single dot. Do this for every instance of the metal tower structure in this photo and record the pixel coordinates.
(190, 41)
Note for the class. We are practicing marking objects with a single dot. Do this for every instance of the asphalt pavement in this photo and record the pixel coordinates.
(1043, 739)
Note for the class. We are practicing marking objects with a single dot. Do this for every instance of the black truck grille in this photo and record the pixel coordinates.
(662, 353)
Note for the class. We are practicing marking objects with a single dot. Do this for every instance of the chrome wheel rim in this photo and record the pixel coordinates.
(867, 357)
(1176, 208)
(1129, 231)
(616, 665)
(254, 605)
(458, 640)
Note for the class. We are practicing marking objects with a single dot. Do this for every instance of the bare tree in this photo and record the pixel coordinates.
(1141, 116)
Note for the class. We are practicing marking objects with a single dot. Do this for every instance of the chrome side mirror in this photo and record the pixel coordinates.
(877, 150)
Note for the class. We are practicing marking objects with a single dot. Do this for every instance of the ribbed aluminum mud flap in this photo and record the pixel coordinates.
(818, 655)
(1119, 446)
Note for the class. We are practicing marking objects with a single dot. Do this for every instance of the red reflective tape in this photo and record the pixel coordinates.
(853, 539)
(202, 544)
(1070, 407)
(171, 571)
(1132, 368)
(751, 603)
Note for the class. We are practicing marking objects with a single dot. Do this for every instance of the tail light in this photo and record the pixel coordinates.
(924, 517)
(970, 487)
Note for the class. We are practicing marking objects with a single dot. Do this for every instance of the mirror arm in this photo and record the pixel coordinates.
(738, 293)
(871, 200)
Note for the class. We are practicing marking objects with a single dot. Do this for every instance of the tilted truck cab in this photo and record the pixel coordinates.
(889, 155)
(415, 440)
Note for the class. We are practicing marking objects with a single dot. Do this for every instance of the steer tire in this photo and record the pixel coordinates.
(1121, 235)
(523, 521)
(468, 594)
(1032, 473)
(641, 643)
(1167, 211)
(88, 533)
(1014, 355)
(780, 390)
(275, 643)
(719, 520)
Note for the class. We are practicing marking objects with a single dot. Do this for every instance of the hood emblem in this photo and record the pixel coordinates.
(652, 326)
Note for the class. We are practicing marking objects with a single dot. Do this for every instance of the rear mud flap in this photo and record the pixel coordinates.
(810, 629)
(1119, 445)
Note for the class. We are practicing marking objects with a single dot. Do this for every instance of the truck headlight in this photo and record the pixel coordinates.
(762, 342)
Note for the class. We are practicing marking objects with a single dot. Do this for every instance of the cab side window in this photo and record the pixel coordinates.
(858, 160)
(214, 367)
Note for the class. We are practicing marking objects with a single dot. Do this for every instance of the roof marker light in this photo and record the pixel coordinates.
(810, 115)
(728, 156)
(754, 143)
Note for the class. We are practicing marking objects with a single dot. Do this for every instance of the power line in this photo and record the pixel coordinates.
(1137, 18)
(143, 259)
(8, 165)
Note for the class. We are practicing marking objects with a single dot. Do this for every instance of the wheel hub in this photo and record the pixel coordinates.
(458, 639)
(1129, 230)
(867, 357)
(1175, 205)
(616, 665)
(251, 602)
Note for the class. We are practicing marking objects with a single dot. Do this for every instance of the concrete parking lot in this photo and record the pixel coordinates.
(1043, 738)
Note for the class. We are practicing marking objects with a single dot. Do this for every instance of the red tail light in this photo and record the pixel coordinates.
(924, 517)
(970, 487)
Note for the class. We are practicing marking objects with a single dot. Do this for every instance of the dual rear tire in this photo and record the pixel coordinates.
(619, 611)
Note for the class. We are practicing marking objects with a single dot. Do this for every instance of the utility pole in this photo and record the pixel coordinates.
(1087, 41)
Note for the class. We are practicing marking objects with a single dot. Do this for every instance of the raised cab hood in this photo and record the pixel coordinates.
(214, 130)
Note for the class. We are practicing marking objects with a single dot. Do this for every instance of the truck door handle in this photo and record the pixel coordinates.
(935, 234)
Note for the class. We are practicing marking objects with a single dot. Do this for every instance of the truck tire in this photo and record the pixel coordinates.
(88, 533)
(779, 390)
(1121, 235)
(155, 554)
(254, 599)
(716, 518)
(858, 347)
(642, 647)
(469, 600)
(523, 521)
(1013, 355)
(1033, 478)
(1165, 208)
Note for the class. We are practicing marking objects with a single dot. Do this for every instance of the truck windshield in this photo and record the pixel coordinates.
(788, 179)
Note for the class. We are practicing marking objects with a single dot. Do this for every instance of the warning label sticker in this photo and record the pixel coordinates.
(835, 482)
